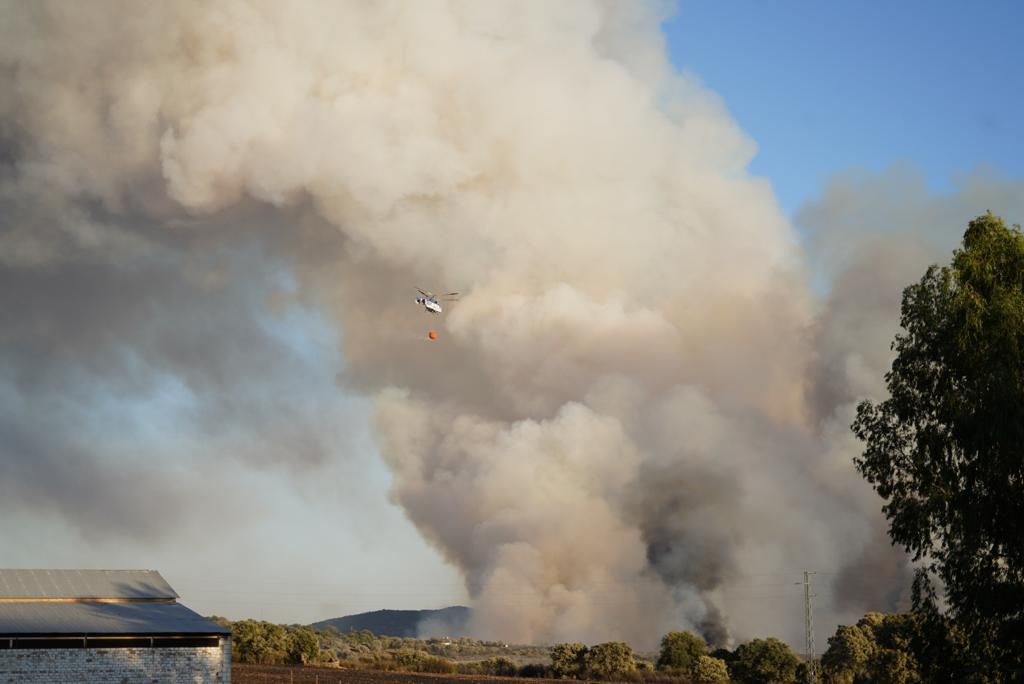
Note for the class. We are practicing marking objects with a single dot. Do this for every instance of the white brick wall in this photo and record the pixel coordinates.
(197, 665)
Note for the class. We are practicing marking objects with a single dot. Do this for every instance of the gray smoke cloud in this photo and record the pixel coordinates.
(637, 412)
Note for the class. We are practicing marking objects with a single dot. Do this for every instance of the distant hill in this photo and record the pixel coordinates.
(449, 621)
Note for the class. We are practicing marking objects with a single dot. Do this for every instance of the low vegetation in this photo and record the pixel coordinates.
(684, 658)
(902, 648)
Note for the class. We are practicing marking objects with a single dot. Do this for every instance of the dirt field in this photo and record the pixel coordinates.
(280, 674)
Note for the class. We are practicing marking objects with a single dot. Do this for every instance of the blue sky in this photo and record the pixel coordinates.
(823, 87)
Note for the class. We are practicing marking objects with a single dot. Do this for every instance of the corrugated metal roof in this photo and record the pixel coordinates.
(94, 619)
(84, 584)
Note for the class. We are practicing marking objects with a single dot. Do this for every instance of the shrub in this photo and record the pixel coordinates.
(612, 659)
(568, 660)
(710, 670)
(680, 652)
(535, 671)
(498, 667)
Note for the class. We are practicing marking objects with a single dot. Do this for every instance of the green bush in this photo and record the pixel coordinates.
(303, 645)
(498, 667)
(259, 642)
(436, 665)
(535, 671)
(764, 661)
(611, 660)
(710, 670)
(680, 652)
(568, 660)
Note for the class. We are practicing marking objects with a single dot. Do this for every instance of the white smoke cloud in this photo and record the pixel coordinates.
(625, 421)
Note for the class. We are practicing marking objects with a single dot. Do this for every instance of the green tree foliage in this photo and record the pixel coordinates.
(708, 670)
(435, 665)
(535, 671)
(893, 660)
(642, 665)
(944, 451)
(848, 654)
(409, 660)
(568, 660)
(680, 652)
(492, 667)
(764, 661)
(945, 653)
(879, 648)
(365, 637)
(259, 642)
(270, 644)
(303, 645)
(499, 667)
(896, 667)
(910, 647)
(610, 660)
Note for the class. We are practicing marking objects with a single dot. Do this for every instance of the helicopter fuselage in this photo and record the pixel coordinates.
(430, 304)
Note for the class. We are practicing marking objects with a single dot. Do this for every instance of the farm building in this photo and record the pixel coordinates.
(122, 626)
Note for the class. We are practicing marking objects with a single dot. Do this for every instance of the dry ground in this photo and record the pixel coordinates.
(282, 674)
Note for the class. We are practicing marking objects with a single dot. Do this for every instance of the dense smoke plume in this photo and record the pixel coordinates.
(634, 420)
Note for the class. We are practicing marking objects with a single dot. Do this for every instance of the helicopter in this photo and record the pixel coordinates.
(432, 302)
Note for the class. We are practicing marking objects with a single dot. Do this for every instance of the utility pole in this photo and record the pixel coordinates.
(812, 669)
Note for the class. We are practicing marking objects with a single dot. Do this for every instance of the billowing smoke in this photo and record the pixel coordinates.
(637, 415)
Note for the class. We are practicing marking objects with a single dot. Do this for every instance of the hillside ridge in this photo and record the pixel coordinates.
(450, 621)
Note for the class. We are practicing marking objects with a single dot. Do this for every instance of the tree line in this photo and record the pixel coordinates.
(684, 657)
(879, 649)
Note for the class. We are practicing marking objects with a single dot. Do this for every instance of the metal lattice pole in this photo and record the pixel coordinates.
(809, 625)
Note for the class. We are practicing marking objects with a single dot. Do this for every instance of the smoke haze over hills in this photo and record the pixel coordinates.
(636, 418)
(402, 623)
